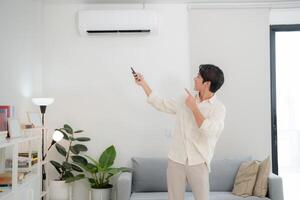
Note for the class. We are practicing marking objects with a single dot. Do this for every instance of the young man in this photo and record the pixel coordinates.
(199, 123)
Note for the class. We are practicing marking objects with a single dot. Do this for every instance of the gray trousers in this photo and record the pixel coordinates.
(196, 175)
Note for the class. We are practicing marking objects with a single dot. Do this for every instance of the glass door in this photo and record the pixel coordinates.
(285, 70)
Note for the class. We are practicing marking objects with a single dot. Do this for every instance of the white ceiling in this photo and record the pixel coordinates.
(171, 1)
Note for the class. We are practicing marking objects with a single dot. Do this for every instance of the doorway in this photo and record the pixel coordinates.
(285, 105)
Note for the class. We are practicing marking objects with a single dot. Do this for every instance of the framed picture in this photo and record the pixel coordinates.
(14, 128)
(5, 113)
(35, 119)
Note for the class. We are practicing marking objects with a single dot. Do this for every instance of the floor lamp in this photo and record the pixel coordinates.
(56, 137)
(43, 103)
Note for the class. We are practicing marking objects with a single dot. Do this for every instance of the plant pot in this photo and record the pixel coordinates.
(100, 194)
(59, 190)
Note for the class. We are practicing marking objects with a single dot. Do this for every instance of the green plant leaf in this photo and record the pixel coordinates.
(75, 178)
(125, 169)
(82, 139)
(91, 180)
(61, 149)
(73, 150)
(91, 168)
(67, 165)
(69, 179)
(58, 170)
(79, 147)
(79, 159)
(93, 160)
(67, 174)
(76, 168)
(68, 129)
(63, 168)
(107, 158)
(113, 171)
(56, 165)
(93, 183)
(78, 131)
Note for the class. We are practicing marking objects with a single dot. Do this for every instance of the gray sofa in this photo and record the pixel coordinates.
(148, 181)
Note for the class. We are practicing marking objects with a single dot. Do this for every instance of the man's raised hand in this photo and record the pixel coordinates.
(190, 101)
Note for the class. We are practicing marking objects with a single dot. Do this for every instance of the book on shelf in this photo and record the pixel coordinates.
(5, 188)
(23, 160)
(6, 112)
(22, 163)
(6, 178)
(34, 156)
(4, 115)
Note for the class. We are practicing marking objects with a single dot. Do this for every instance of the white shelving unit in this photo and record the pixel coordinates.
(29, 188)
(44, 193)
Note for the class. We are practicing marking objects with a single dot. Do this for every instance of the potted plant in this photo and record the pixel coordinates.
(101, 171)
(59, 188)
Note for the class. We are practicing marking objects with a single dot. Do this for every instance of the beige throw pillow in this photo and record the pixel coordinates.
(261, 185)
(245, 178)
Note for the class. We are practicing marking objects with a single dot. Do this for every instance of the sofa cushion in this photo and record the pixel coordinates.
(261, 185)
(149, 174)
(245, 178)
(223, 173)
(189, 196)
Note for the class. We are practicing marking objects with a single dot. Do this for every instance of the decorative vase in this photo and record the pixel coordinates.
(60, 190)
(101, 194)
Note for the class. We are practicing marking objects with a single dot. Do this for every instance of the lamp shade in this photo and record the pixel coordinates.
(42, 101)
(57, 136)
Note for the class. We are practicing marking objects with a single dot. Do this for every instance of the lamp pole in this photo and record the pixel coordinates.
(43, 103)
(43, 111)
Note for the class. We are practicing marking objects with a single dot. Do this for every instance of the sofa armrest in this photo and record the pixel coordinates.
(123, 186)
(275, 187)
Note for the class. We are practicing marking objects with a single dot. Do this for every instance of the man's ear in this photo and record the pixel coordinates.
(208, 84)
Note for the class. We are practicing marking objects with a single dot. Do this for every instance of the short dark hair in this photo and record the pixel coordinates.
(213, 74)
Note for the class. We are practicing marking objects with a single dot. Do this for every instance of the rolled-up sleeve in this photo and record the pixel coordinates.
(214, 123)
(162, 104)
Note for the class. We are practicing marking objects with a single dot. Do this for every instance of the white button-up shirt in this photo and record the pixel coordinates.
(191, 144)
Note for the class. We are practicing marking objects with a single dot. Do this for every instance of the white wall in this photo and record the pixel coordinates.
(20, 63)
(90, 77)
(20, 53)
(91, 81)
(285, 16)
(237, 40)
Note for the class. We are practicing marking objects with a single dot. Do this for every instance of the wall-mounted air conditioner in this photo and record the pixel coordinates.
(93, 22)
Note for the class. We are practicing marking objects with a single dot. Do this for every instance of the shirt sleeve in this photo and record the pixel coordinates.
(214, 123)
(162, 104)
